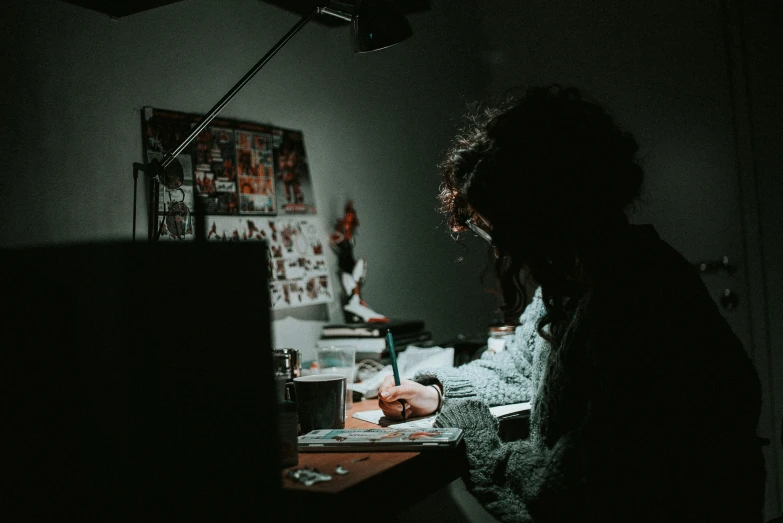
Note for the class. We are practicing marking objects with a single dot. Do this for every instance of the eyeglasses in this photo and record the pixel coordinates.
(481, 230)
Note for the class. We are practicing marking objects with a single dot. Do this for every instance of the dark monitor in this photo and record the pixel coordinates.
(137, 382)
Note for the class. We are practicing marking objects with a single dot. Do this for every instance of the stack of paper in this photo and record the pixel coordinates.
(369, 339)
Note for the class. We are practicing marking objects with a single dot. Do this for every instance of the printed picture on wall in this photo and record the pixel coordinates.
(162, 133)
(253, 183)
(215, 170)
(292, 174)
(255, 172)
(175, 207)
(164, 130)
(298, 272)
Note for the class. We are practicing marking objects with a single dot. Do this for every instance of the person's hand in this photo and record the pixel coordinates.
(420, 400)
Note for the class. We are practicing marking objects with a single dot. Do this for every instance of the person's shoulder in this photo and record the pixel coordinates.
(665, 281)
(655, 261)
(654, 276)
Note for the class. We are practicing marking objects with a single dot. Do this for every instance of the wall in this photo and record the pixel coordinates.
(375, 126)
(763, 55)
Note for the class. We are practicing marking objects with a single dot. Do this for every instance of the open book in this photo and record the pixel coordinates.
(376, 416)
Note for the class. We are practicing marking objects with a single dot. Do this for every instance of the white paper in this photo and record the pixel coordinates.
(409, 362)
(419, 423)
(504, 411)
(376, 416)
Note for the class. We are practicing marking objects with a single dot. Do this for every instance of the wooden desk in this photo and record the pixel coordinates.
(366, 492)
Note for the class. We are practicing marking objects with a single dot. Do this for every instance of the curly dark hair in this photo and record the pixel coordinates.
(553, 175)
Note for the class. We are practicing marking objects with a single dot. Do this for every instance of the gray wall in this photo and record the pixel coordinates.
(763, 36)
(374, 125)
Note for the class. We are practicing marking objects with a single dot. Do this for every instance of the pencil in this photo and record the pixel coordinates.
(395, 369)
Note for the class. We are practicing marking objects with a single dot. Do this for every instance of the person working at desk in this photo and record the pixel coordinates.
(646, 404)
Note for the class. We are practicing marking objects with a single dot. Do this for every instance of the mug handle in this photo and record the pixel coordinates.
(290, 391)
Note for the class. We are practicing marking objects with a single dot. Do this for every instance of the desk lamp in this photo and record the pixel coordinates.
(375, 24)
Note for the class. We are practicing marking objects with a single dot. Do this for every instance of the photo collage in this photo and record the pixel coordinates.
(253, 183)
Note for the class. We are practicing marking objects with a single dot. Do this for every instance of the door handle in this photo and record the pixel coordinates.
(729, 300)
(710, 266)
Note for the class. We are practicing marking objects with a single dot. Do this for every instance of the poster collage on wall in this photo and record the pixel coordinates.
(252, 182)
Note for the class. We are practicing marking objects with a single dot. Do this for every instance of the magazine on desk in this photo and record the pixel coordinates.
(380, 439)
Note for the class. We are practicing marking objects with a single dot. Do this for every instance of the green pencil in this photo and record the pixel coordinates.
(395, 369)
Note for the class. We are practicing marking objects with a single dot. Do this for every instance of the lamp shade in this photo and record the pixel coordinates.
(378, 24)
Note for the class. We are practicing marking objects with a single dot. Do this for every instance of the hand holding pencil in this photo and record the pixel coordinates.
(419, 400)
(407, 399)
(395, 368)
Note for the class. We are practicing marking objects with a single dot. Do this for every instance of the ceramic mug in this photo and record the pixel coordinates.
(320, 401)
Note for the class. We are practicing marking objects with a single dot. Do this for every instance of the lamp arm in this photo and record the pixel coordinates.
(336, 12)
(155, 168)
(239, 85)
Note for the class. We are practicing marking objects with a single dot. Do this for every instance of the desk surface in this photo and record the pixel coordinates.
(421, 473)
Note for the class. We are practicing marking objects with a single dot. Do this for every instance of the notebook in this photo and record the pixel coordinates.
(380, 439)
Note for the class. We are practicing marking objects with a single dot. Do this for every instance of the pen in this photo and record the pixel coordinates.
(396, 371)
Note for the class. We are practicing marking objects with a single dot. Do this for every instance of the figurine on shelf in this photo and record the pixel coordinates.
(352, 271)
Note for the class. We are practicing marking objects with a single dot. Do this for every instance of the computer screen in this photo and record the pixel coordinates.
(139, 381)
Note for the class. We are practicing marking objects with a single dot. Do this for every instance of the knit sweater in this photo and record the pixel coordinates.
(647, 410)
(509, 376)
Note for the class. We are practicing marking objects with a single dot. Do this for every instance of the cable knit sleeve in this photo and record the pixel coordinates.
(496, 379)
(500, 474)
(514, 479)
